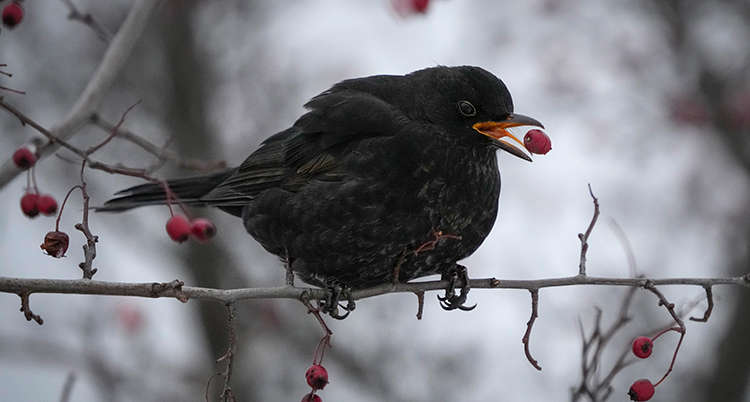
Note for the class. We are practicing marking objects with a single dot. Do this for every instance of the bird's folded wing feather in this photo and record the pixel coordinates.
(312, 149)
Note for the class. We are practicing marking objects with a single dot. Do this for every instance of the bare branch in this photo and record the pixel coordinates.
(529, 325)
(27, 310)
(709, 309)
(88, 20)
(227, 395)
(112, 63)
(585, 236)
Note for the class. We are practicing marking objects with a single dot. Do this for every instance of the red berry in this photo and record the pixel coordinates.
(24, 158)
(28, 205)
(641, 390)
(317, 377)
(642, 347)
(55, 244)
(537, 142)
(12, 14)
(46, 205)
(202, 229)
(311, 398)
(178, 228)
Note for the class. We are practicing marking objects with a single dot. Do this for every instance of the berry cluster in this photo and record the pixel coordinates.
(12, 14)
(179, 229)
(643, 346)
(33, 202)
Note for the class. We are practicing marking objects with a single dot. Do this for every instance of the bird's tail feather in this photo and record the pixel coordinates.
(188, 191)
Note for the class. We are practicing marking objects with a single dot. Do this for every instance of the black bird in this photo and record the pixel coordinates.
(385, 178)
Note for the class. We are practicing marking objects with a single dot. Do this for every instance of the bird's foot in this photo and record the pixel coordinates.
(335, 291)
(452, 301)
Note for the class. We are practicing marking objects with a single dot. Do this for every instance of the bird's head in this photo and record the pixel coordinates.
(476, 106)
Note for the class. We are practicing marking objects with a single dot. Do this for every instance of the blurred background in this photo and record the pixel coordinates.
(649, 102)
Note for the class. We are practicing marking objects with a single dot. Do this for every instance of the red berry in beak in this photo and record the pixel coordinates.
(56, 244)
(642, 347)
(202, 229)
(29, 205)
(12, 14)
(46, 205)
(641, 390)
(23, 158)
(178, 228)
(537, 142)
(317, 377)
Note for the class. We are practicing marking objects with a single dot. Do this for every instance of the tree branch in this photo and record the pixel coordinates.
(112, 63)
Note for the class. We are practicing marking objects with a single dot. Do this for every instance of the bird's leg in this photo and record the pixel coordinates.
(451, 301)
(334, 291)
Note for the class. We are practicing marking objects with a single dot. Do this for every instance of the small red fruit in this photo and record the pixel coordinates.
(55, 244)
(12, 14)
(642, 347)
(317, 377)
(641, 390)
(178, 228)
(311, 398)
(29, 206)
(537, 142)
(24, 158)
(420, 6)
(202, 229)
(46, 205)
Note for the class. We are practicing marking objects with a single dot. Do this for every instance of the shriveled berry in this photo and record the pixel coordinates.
(29, 206)
(202, 229)
(642, 347)
(317, 376)
(311, 398)
(56, 244)
(12, 14)
(178, 228)
(24, 158)
(537, 142)
(46, 204)
(641, 390)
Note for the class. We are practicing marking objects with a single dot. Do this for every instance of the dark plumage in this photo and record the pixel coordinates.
(382, 173)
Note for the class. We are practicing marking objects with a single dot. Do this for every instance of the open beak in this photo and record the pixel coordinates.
(497, 130)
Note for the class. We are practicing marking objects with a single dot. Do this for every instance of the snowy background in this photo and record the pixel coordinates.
(601, 76)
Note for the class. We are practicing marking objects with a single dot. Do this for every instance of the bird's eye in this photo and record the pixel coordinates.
(466, 108)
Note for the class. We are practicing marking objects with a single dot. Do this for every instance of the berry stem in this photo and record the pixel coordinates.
(62, 206)
(674, 357)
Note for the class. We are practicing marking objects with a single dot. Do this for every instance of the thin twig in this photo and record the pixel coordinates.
(27, 310)
(68, 387)
(584, 237)
(682, 329)
(709, 309)
(88, 20)
(420, 302)
(227, 395)
(529, 325)
(89, 249)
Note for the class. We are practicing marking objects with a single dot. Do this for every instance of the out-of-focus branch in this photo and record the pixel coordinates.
(112, 63)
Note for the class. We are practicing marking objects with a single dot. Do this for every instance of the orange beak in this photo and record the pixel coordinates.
(497, 130)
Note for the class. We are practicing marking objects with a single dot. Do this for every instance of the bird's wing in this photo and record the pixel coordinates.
(312, 149)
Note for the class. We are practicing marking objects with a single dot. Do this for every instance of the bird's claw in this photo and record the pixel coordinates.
(452, 301)
(334, 293)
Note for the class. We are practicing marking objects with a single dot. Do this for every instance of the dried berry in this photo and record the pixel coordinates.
(55, 244)
(178, 228)
(642, 347)
(29, 204)
(311, 398)
(24, 158)
(317, 377)
(537, 142)
(12, 14)
(641, 390)
(202, 229)
(46, 204)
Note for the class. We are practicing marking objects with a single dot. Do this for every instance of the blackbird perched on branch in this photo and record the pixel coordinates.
(385, 178)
